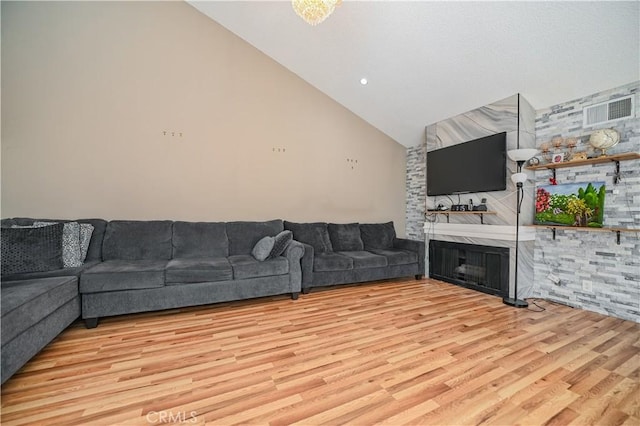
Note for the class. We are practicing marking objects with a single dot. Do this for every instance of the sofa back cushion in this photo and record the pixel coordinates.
(243, 236)
(200, 239)
(345, 237)
(315, 234)
(137, 240)
(377, 235)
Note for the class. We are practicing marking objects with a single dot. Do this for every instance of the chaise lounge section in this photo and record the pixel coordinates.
(38, 305)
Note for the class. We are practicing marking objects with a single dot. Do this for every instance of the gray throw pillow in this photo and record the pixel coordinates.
(71, 247)
(86, 231)
(263, 248)
(31, 249)
(281, 241)
(315, 234)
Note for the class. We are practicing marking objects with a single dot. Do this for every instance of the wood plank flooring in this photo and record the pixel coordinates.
(392, 352)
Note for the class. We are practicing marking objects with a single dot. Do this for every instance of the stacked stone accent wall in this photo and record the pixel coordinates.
(611, 270)
(416, 191)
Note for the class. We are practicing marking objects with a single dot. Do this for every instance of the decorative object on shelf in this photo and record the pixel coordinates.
(520, 156)
(558, 157)
(557, 142)
(571, 144)
(533, 161)
(314, 11)
(570, 204)
(604, 139)
(545, 149)
(578, 156)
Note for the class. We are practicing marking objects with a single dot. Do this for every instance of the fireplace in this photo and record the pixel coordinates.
(478, 267)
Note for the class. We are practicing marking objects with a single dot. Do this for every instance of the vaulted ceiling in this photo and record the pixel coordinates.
(429, 60)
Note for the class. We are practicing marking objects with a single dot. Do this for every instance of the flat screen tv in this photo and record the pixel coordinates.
(479, 165)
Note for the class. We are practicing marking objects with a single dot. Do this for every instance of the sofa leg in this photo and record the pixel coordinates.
(91, 322)
(418, 276)
(305, 290)
(294, 296)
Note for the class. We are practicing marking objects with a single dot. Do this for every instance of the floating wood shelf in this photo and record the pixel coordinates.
(615, 158)
(595, 160)
(586, 228)
(447, 213)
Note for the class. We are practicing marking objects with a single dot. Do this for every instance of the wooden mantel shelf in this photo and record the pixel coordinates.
(596, 160)
(586, 228)
(480, 213)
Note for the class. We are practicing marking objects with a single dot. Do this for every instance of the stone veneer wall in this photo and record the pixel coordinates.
(416, 191)
(578, 256)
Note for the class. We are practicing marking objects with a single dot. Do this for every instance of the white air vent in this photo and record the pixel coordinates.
(606, 112)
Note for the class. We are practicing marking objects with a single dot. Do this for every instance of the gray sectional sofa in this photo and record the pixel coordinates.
(352, 253)
(139, 266)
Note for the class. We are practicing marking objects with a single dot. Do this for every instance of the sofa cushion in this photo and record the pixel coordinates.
(71, 247)
(377, 235)
(263, 248)
(243, 236)
(94, 251)
(245, 266)
(280, 244)
(62, 272)
(26, 302)
(137, 240)
(31, 249)
(200, 239)
(397, 256)
(345, 237)
(115, 275)
(315, 234)
(365, 259)
(193, 270)
(325, 262)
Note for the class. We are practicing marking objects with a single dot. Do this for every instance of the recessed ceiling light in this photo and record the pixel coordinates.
(363, 81)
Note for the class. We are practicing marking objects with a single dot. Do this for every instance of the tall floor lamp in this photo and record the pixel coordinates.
(519, 178)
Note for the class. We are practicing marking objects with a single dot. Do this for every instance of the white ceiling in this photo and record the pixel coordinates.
(427, 61)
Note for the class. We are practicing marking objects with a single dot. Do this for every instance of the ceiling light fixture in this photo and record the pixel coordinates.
(364, 81)
(314, 11)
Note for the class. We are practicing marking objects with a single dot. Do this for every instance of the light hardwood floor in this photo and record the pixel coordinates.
(396, 352)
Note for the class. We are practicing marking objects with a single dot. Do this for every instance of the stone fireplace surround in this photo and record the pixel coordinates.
(491, 235)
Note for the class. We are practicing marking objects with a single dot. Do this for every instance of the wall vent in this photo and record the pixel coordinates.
(606, 112)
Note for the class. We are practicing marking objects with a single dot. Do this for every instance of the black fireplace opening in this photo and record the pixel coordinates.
(481, 268)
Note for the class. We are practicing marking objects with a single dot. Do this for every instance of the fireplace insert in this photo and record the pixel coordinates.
(481, 268)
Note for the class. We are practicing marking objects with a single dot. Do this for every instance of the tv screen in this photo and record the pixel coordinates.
(479, 165)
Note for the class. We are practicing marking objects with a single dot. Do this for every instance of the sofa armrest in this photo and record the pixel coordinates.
(294, 253)
(412, 245)
(307, 266)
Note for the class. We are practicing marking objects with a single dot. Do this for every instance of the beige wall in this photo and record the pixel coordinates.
(89, 88)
